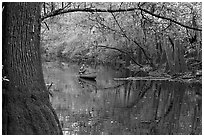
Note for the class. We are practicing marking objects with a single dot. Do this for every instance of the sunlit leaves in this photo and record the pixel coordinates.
(81, 31)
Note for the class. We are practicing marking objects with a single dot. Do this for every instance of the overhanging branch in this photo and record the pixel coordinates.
(121, 52)
(65, 10)
(60, 11)
(176, 22)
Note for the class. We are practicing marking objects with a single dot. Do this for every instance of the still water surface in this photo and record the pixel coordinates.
(108, 107)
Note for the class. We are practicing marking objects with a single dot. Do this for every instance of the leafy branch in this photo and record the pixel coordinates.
(66, 9)
(169, 19)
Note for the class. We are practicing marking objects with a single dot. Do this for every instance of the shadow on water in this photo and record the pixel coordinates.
(111, 107)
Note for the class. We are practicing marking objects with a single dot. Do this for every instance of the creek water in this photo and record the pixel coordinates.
(108, 107)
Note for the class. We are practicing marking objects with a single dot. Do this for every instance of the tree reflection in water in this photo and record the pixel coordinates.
(134, 107)
(113, 107)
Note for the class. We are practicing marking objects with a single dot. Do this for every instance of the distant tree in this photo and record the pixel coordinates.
(139, 29)
(26, 106)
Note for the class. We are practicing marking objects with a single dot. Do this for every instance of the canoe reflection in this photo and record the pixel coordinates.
(88, 84)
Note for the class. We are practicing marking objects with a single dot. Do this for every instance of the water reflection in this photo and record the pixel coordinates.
(106, 107)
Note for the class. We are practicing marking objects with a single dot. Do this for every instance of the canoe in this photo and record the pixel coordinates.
(88, 76)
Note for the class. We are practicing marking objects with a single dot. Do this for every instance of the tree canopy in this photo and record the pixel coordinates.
(148, 33)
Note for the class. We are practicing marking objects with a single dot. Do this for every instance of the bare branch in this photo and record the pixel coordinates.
(46, 25)
(121, 5)
(124, 34)
(44, 8)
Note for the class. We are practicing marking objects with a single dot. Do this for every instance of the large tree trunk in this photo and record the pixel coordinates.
(26, 106)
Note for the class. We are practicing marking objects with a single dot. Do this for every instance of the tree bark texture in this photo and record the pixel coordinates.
(26, 106)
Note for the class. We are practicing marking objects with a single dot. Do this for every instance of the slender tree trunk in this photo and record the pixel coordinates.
(26, 106)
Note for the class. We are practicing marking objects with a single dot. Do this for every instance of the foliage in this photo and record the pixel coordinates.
(160, 34)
